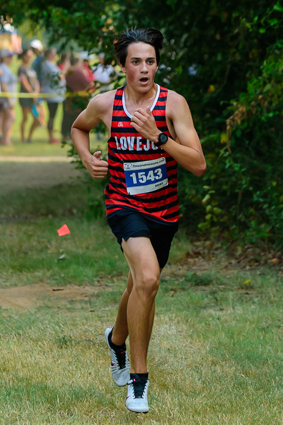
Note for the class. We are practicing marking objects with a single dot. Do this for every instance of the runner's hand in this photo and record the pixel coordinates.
(143, 121)
(96, 166)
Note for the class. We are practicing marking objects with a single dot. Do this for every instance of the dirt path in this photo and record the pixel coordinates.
(27, 297)
(35, 174)
(18, 173)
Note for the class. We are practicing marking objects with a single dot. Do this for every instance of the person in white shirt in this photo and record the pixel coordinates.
(103, 73)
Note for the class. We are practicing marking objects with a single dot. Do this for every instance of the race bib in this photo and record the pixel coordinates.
(145, 176)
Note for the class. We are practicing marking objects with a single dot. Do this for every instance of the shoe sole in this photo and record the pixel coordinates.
(134, 411)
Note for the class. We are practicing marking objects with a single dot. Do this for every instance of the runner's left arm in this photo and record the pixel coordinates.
(188, 152)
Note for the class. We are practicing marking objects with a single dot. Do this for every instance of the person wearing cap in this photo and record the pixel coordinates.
(37, 48)
(8, 85)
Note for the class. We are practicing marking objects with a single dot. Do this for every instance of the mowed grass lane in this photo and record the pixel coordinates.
(216, 350)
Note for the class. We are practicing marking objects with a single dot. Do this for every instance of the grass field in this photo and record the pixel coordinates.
(217, 345)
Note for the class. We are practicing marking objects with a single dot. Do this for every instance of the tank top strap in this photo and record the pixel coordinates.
(118, 113)
(160, 105)
(119, 93)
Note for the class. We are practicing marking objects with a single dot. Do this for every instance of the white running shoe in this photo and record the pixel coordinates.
(120, 364)
(137, 396)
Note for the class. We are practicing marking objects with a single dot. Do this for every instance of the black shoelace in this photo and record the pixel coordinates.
(121, 357)
(139, 388)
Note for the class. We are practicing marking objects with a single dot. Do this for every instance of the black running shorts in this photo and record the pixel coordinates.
(127, 224)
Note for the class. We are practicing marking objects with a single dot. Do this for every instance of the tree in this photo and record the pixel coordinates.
(226, 59)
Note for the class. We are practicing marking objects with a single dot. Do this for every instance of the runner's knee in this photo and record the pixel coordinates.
(147, 285)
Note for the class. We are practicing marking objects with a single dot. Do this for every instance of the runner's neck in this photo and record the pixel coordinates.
(130, 107)
(135, 98)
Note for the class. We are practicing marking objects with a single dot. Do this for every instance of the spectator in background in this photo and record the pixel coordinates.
(65, 57)
(77, 80)
(29, 84)
(103, 73)
(86, 58)
(60, 63)
(53, 82)
(8, 84)
(10, 38)
(37, 48)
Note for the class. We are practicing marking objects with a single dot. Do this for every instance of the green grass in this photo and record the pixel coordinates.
(210, 361)
(216, 351)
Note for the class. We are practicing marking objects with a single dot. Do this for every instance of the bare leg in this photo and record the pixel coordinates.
(145, 273)
(8, 119)
(41, 112)
(151, 320)
(51, 135)
(120, 330)
(52, 107)
(25, 110)
(33, 127)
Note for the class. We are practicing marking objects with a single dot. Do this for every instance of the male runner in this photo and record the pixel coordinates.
(150, 131)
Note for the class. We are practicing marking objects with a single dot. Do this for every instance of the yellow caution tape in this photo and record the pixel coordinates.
(45, 95)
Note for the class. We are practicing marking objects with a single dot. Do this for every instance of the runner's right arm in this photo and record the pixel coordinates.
(86, 121)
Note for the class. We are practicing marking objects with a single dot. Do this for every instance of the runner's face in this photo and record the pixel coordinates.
(140, 66)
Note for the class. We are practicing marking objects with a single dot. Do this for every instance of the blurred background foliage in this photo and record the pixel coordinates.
(225, 58)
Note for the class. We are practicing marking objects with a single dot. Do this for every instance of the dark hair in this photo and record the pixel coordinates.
(24, 52)
(63, 57)
(134, 35)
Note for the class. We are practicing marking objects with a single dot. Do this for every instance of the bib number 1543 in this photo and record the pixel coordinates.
(145, 176)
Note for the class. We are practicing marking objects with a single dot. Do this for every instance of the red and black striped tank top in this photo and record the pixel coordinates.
(127, 145)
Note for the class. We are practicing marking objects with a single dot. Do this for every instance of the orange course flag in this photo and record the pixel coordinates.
(63, 230)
